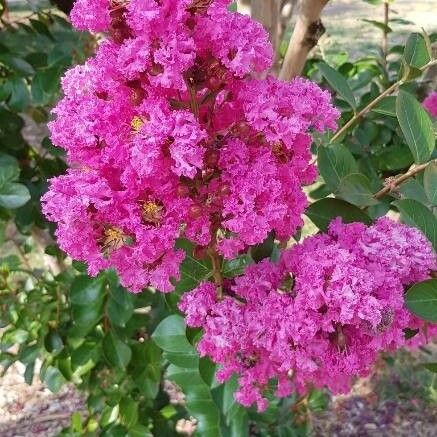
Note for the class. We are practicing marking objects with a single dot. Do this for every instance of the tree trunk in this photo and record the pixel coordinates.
(306, 34)
(268, 13)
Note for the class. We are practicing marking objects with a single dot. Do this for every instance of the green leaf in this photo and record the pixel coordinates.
(236, 267)
(322, 212)
(416, 214)
(199, 401)
(9, 169)
(432, 367)
(86, 291)
(416, 52)
(233, 7)
(170, 336)
(53, 379)
(128, 411)
(264, 249)
(120, 306)
(430, 182)
(412, 189)
(116, 351)
(421, 299)
(13, 195)
(379, 25)
(387, 106)
(192, 270)
(356, 189)
(87, 299)
(18, 65)
(338, 83)
(19, 99)
(416, 126)
(335, 162)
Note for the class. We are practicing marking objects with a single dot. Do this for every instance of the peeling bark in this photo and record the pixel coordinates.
(306, 34)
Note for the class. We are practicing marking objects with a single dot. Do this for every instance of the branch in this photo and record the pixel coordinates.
(306, 34)
(372, 104)
(392, 183)
(216, 271)
(268, 13)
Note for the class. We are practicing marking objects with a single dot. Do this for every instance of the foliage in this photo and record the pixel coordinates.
(118, 347)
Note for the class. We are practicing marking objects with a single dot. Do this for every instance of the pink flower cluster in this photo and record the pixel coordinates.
(430, 103)
(320, 316)
(169, 136)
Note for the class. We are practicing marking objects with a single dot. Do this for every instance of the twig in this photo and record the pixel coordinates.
(402, 178)
(216, 271)
(372, 104)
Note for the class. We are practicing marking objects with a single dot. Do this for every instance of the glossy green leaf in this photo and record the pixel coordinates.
(355, 188)
(199, 401)
(338, 83)
(193, 271)
(335, 162)
(416, 126)
(116, 351)
(413, 189)
(416, 52)
(170, 336)
(128, 411)
(379, 25)
(416, 214)
(325, 210)
(387, 106)
(13, 195)
(19, 98)
(53, 379)
(421, 299)
(17, 64)
(9, 169)
(430, 182)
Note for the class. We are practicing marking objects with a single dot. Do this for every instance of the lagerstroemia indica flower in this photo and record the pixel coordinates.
(168, 135)
(320, 316)
(430, 103)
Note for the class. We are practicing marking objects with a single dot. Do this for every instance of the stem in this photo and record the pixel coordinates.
(365, 110)
(385, 33)
(216, 271)
(402, 178)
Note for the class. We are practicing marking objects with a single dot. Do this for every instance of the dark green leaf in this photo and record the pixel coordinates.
(430, 182)
(416, 214)
(128, 412)
(13, 195)
(9, 169)
(421, 299)
(18, 65)
(338, 83)
(416, 52)
(412, 189)
(116, 351)
(86, 291)
(199, 401)
(432, 367)
(19, 98)
(264, 249)
(335, 162)
(193, 271)
(170, 336)
(416, 126)
(325, 210)
(379, 25)
(53, 379)
(356, 189)
(387, 106)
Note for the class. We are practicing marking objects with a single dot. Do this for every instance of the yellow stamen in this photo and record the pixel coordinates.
(112, 239)
(136, 124)
(152, 212)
